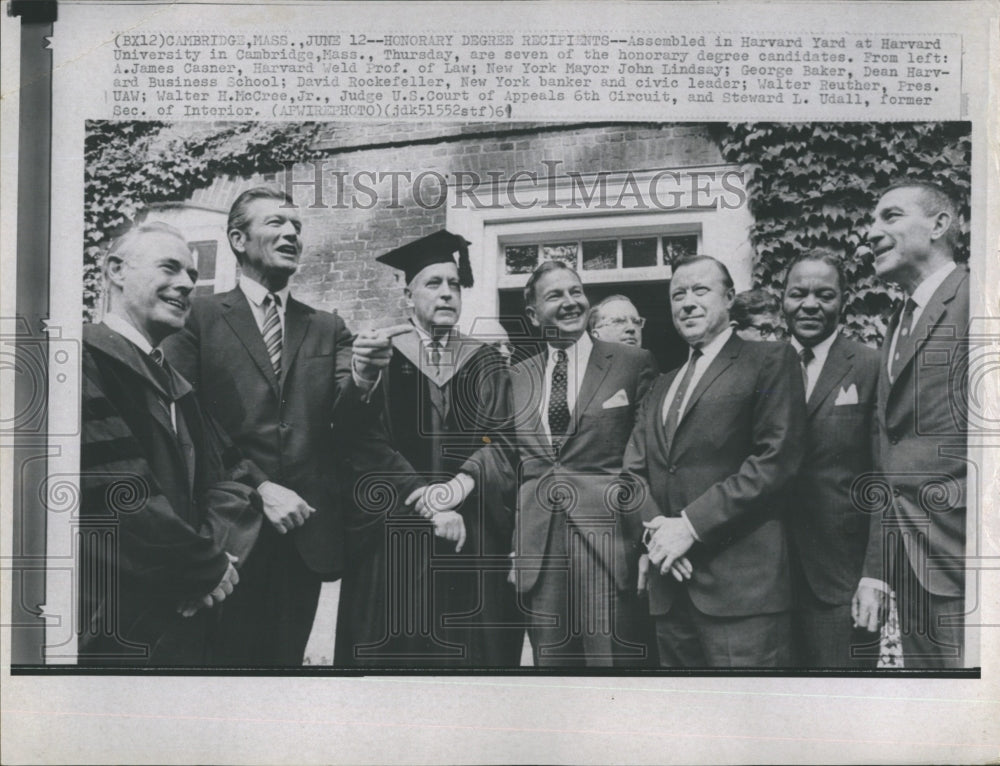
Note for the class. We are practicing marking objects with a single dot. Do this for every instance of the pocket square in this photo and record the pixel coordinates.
(847, 395)
(618, 399)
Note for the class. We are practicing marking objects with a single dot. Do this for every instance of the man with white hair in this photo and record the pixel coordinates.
(152, 466)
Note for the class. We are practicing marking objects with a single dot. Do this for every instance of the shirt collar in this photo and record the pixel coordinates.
(256, 292)
(711, 349)
(426, 336)
(821, 350)
(579, 350)
(926, 288)
(128, 331)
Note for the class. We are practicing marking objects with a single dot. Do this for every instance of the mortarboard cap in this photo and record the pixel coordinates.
(439, 247)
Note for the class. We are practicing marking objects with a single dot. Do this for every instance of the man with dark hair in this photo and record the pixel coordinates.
(714, 444)
(829, 532)
(616, 320)
(286, 383)
(576, 537)
(756, 315)
(918, 545)
(154, 472)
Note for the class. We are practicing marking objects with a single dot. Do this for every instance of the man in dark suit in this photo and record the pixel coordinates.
(577, 532)
(829, 531)
(283, 381)
(918, 546)
(154, 472)
(717, 441)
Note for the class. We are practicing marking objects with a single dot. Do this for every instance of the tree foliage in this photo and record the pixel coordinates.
(815, 184)
(131, 165)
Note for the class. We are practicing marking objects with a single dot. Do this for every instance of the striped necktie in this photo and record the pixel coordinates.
(272, 331)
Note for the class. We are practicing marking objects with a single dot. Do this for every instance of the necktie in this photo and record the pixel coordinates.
(436, 356)
(904, 339)
(558, 406)
(674, 413)
(806, 356)
(272, 331)
(160, 361)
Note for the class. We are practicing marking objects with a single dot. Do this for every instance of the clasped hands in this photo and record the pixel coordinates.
(667, 540)
(230, 578)
(438, 502)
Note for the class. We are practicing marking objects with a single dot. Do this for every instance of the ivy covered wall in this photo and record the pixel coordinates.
(815, 185)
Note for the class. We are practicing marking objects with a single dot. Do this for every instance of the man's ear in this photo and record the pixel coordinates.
(114, 267)
(408, 293)
(529, 311)
(942, 223)
(237, 241)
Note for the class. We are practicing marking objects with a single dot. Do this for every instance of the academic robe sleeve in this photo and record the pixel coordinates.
(153, 544)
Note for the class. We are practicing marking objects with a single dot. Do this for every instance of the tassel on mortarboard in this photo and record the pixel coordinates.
(439, 247)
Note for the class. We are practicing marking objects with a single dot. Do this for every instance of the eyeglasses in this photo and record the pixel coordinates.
(639, 322)
(769, 331)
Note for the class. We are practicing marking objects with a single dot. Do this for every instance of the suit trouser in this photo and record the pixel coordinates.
(825, 635)
(578, 616)
(931, 627)
(268, 618)
(688, 638)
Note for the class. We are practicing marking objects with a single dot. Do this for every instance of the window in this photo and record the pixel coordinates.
(205, 253)
(603, 259)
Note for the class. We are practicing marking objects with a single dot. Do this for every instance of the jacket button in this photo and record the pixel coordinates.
(895, 493)
(893, 440)
(672, 469)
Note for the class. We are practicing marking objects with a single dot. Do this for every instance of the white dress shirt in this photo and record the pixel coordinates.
(127, 330)
(708, 353)
(256, 293)
(920, 298)
(577, 358)
(820, 352)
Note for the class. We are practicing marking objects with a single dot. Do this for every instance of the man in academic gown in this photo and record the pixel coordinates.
(163, 519)
(447, 398)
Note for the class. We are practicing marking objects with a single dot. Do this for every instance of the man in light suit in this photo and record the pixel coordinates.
(577, 528)
(717, 441)
(829, 531)
(918, 545)
(287, 384)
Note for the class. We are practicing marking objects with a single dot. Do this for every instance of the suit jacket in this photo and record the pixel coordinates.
(149, 497)
(737, 444)
(583, 478)
(920, 443)
(829, 529)
(288, 425)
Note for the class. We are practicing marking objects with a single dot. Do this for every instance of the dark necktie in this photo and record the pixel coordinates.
(904, 339)
(272, 331)
(806, 356)
(558, 406)
(436, 356)
(674, 413)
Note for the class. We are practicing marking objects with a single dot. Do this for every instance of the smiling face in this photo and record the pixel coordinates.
(812, 301)
(152, 283)
(560, 306)
(270, 244)
(436, 296)
(699, 302)
(903, 234)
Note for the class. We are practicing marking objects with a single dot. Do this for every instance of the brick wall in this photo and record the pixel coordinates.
(342, 238)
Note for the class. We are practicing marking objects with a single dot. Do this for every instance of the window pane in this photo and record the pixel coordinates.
(638, 252)
(521, 259)
(602, 254)
(564, 251)
(205, 258)
(675, 248)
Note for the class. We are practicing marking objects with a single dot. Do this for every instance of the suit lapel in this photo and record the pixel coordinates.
(722, 360)
(528, 382)
(597, 370)
(929, 318)
(838, 364)
(237, 314)
(297, 319)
